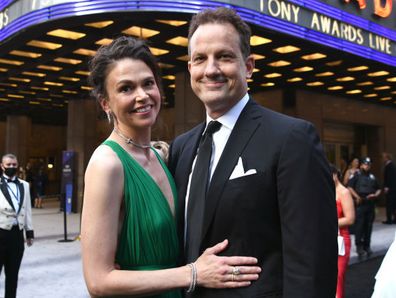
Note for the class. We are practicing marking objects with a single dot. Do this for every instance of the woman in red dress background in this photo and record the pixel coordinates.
(346, 217)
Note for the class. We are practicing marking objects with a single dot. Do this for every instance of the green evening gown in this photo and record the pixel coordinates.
(148, 239)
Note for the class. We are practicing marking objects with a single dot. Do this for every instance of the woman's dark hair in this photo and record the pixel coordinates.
(335, 170)
(120, 48)
(223, 15)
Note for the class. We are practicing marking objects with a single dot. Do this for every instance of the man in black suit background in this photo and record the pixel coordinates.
(389, 188)
(267, 187)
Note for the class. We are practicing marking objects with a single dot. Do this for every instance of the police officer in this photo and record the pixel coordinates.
(365, 191)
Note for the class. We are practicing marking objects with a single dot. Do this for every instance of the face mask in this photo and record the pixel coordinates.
(10, 172)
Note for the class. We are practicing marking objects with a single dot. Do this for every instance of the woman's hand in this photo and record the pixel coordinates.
(225, 272)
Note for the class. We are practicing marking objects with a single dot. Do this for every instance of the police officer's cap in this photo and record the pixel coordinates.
(366, 161)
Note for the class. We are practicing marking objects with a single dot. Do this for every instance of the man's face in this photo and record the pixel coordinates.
(8, 162)
(217, 67)
(365, 167)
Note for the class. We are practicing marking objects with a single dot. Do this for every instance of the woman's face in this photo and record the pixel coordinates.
(133, 96)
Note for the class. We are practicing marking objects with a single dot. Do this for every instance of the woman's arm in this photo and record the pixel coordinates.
(100, 219)
(346, 177)
(348, 209)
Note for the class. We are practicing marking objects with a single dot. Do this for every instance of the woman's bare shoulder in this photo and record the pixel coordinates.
(104, 159)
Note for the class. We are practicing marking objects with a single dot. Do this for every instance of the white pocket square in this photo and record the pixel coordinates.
(239, 171)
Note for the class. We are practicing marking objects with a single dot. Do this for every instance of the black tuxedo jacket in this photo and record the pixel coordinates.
(285, 214)
(390, 178)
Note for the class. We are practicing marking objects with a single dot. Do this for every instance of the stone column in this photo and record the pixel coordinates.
(82, 139)
(189, 110)
(18, 134)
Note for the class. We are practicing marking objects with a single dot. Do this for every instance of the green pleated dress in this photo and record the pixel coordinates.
(148, 239)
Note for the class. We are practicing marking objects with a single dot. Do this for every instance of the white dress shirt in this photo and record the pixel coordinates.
(220, 139)
(15, 195)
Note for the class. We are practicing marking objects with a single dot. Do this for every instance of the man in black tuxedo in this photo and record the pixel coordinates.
(268, 188)
(389, 188)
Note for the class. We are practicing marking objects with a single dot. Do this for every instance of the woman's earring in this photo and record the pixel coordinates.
(109, 117)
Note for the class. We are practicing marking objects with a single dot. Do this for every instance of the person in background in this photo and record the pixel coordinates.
(251, 175)
(352, 169)
(365, 191)
(128, 230)
(389, 188)
(346, 217)
(40, 183)
(15, 216)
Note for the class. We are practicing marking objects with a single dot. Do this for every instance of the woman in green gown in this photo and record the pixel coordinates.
(129, 240)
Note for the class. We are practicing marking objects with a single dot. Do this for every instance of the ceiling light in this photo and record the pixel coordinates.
(295, 79)
(8, 85)
(256, 70)
(314, 84)
(172, 86)
(314, 56)
(256, 40)
(325, 74)
(334, 63)
(183, 58)
(169, 77)
(39, 88)
(345, 79)
(279, 63)
(50, 67)
(19, 79)
(367, 83)
(178, 41)
(44, 44)
(257, 56)
(3, 69)
(11, 62)
(67, 60)
(355, 91)
(58, 105)
(53, 84)
(15, 96)
(68, 34)
(140, 32)
(4, 99)
(382, 88)
(44, 99)
(174, 23)
(82, 72)
(371, 95)
(56, 95)
(69, 91)
(33, 102)
(273, 75)
(333, 88)
(249, 80)
(69, 79)
(393, 92)
(286, 49)
(104, 41)
(27, 92)
(34, 74)
(269, 84)
(386, 98)
(167, 66)
(85, 52)
(86, 88)
(358, 68)
(25, 54)
(303, 69)
(391, 79)
(378, 73)
(99, 25)
(158, 52)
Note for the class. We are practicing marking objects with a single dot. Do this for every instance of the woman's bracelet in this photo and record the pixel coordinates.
(193, 282)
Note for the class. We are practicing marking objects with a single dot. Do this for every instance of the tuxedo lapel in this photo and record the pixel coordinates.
(4, 190)
(244, 128)
(21, 193)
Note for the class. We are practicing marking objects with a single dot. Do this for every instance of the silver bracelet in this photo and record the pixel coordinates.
(193, 282)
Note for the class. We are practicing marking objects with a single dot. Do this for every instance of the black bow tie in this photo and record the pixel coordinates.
(12, 181)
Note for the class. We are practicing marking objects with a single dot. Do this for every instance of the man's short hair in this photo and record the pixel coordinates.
(8, 155)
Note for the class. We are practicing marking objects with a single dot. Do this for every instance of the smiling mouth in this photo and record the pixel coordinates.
(142, 109)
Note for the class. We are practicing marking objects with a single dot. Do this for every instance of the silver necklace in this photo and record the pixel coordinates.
(129, 140)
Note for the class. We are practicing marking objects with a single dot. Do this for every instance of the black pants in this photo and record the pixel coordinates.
(390, 206)
(11, 253)
(365, 215)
